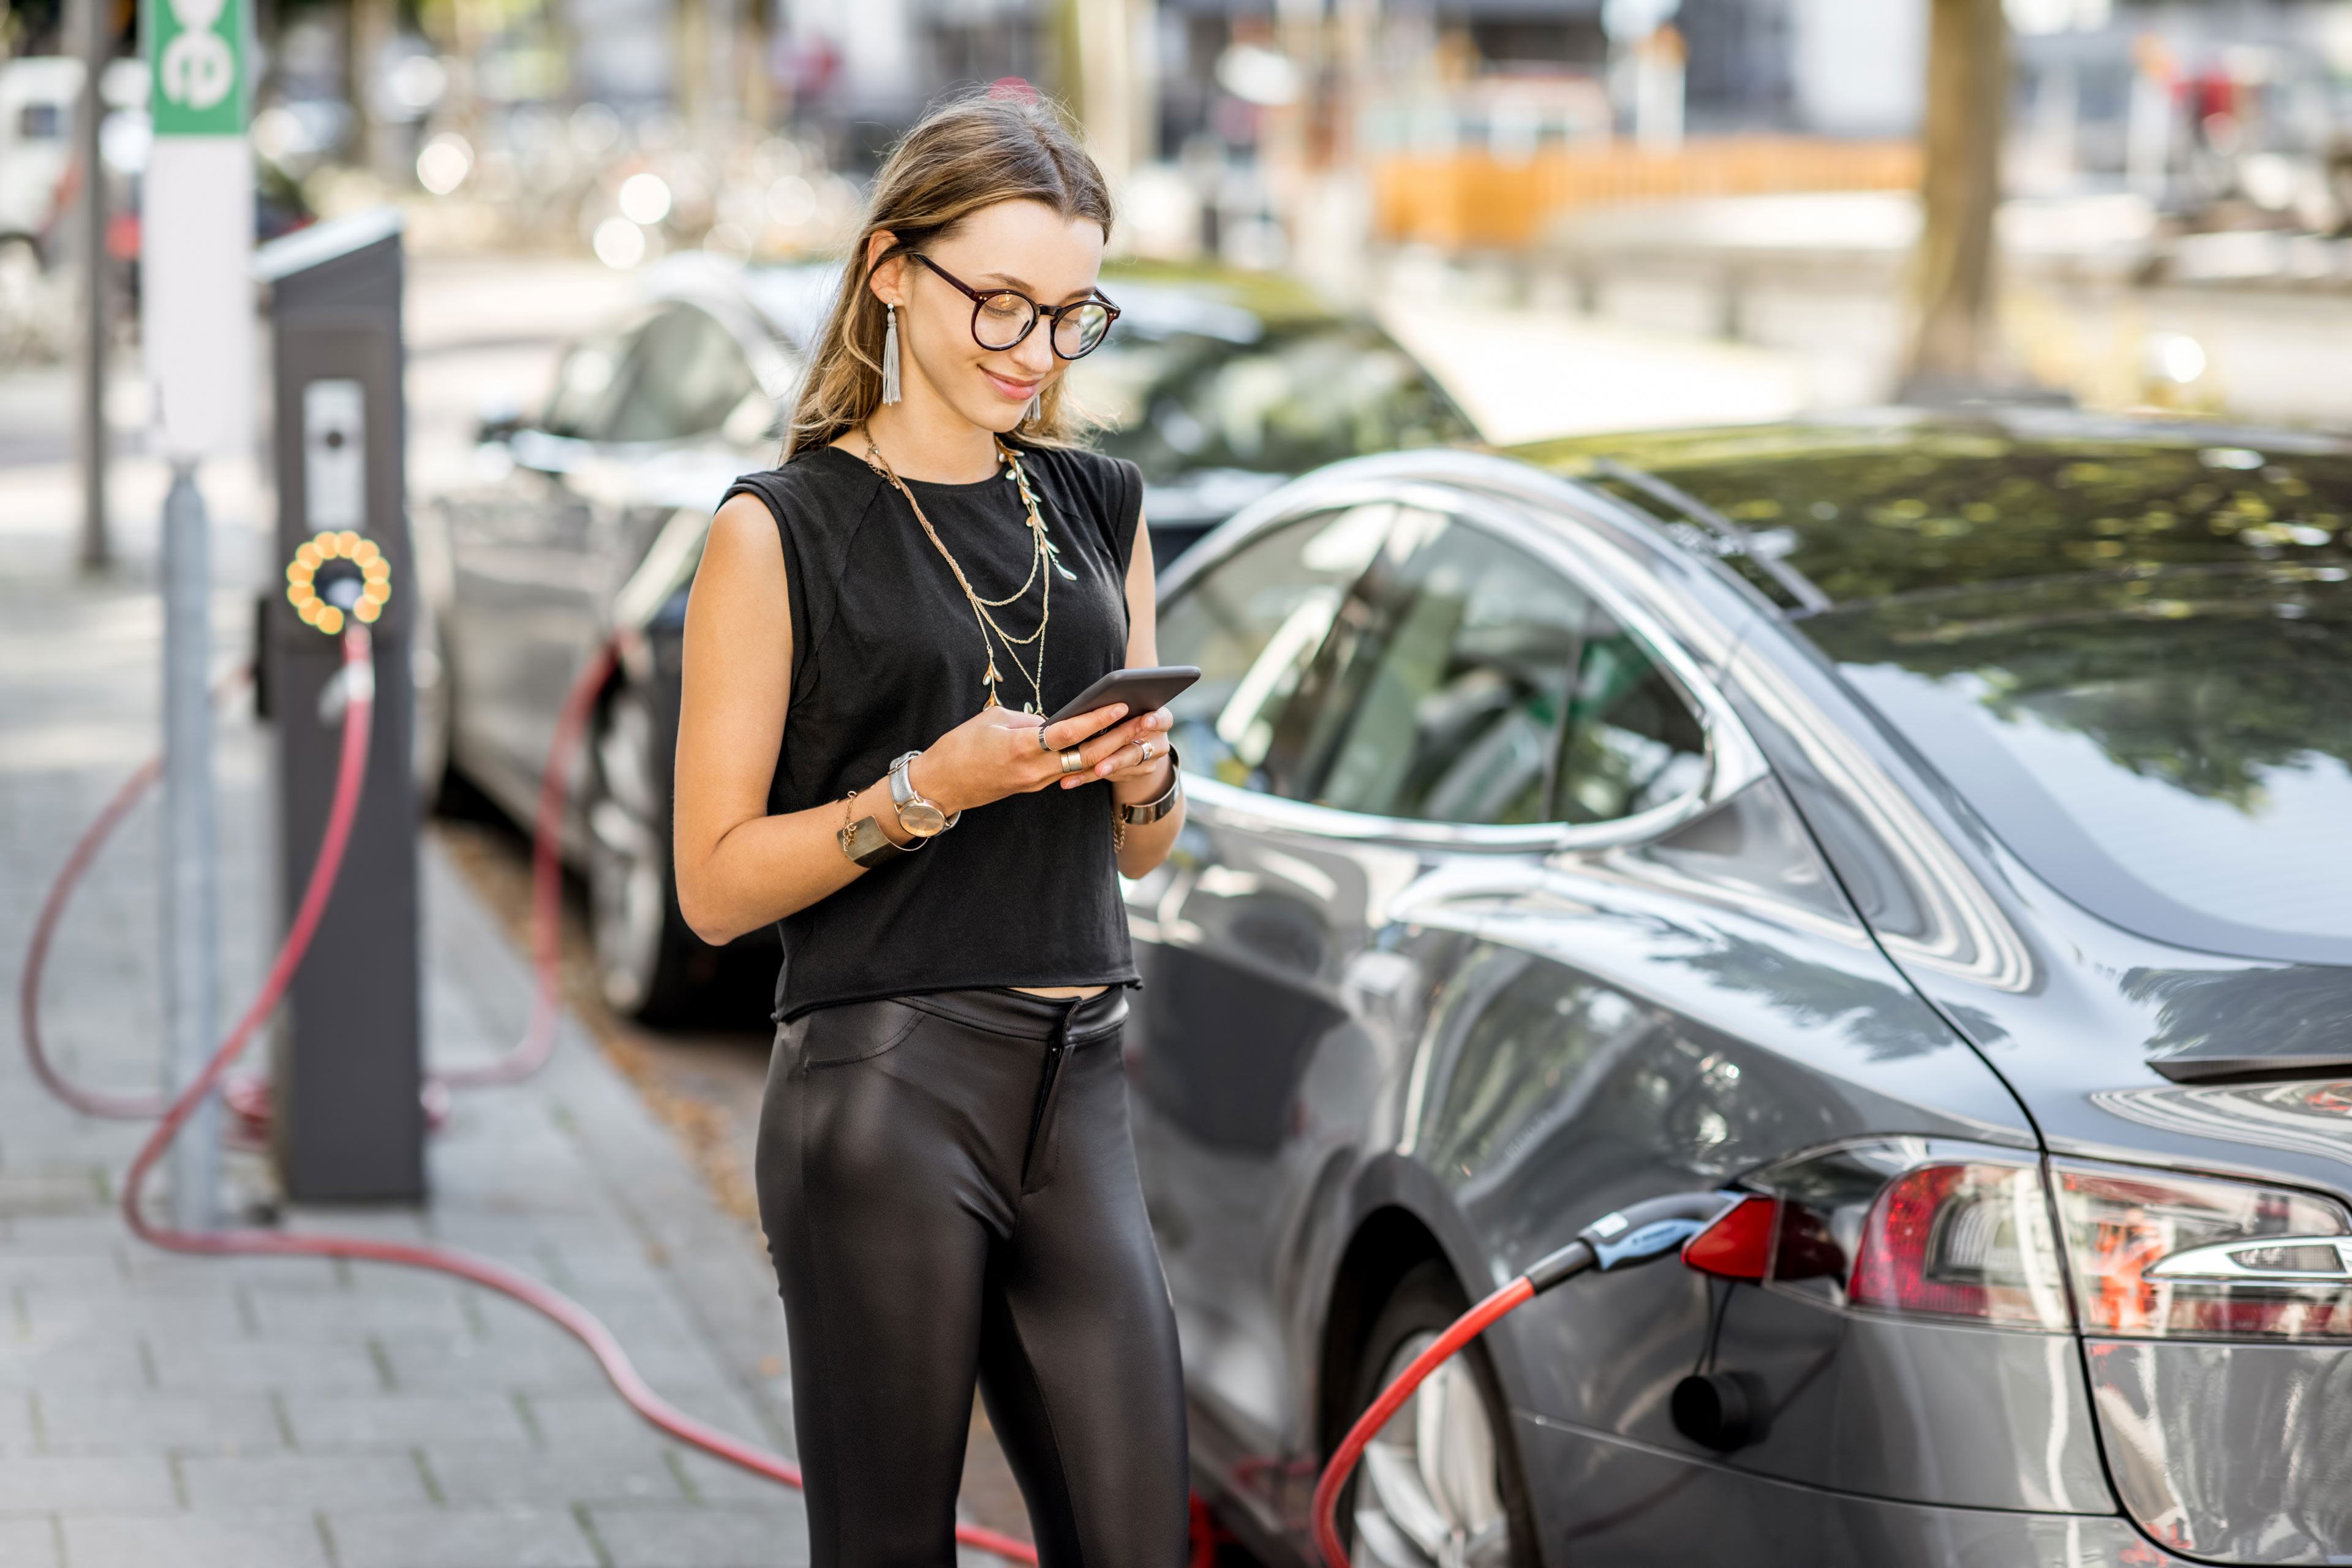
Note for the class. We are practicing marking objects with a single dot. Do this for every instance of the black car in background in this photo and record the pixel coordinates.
(1219, 402)
(584, 524)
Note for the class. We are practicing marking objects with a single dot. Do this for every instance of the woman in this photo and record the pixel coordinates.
(944, 1167)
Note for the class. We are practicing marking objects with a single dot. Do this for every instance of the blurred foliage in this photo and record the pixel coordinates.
(2201, 679)
(1868, 511)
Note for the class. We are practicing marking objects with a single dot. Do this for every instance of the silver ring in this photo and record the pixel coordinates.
(1071, 760)
(1042, 744)
(1147, 752)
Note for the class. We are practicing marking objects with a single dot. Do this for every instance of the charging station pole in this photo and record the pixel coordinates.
(196, 239)
(347, 1072)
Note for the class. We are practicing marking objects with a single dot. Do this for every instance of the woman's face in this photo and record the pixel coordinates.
(1019, 245)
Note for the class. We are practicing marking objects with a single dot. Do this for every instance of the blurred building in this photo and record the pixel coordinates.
(1270, 132)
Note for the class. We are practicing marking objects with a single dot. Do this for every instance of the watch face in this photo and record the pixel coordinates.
(921, 818)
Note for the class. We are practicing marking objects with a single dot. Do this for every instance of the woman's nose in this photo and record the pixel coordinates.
(1035, 353)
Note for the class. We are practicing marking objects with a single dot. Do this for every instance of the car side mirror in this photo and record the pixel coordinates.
(497, 417)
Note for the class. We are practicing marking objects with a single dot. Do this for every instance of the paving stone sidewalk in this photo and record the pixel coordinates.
(158, 1410)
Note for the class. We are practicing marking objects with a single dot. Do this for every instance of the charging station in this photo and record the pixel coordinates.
(347, 1064)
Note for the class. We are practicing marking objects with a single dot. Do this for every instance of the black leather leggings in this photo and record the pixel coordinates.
(949, 1193)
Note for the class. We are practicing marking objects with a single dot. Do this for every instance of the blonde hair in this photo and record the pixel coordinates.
(965, 154)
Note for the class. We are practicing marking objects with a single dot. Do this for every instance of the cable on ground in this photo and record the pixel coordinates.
(349, 779)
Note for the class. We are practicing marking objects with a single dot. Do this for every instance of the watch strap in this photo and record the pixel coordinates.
(902, 789)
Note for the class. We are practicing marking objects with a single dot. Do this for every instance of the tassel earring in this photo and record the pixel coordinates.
(890, 356)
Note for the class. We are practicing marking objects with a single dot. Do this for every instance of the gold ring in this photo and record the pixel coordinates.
(1071, 762)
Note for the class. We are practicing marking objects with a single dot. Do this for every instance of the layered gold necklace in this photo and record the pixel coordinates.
(1044, 564)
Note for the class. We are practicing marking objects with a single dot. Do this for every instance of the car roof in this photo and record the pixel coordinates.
(1884, 502)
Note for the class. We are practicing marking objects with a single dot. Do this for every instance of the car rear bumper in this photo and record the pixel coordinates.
(1601, 1498)
(2240, 1453)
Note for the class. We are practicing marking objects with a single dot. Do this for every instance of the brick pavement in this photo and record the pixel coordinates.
(159, 1410)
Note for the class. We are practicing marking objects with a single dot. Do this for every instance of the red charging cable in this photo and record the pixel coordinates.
(248, 1095)
(359, 677)
(1637, 1234)
(1464, 1328)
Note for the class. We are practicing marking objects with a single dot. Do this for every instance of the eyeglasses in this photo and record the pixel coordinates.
(1002, 318)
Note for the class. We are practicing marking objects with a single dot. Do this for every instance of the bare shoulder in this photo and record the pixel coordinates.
(743, 540)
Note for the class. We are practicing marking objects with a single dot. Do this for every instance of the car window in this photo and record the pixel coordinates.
(685, 375)
(1633, 742)
(1293, 401)
(2173, 751)
(1441, 690)
(587, 385)
(1464, 681)
(1252, 623)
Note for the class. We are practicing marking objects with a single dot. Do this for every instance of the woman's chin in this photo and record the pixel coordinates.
(1000, 415)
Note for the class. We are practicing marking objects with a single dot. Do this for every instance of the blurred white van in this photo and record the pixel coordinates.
(38, 99)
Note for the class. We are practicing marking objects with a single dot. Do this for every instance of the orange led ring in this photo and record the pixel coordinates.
(302, 573)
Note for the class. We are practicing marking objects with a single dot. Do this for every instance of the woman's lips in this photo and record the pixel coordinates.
(1010, 390)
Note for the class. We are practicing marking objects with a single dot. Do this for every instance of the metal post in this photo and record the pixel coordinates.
(191, 873)
(96, 42)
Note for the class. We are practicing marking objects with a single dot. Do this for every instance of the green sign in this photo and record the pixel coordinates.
(195, 51)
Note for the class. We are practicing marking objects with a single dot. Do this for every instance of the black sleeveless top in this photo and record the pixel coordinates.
(887, 657)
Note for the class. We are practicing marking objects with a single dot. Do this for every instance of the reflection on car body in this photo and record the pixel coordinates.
(1924, 822)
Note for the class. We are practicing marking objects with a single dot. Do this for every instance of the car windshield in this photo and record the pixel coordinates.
(1293, 399)
(2172, 751)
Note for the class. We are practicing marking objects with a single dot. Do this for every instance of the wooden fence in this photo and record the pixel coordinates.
(1469, 200)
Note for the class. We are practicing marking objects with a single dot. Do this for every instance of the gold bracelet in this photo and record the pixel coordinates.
(1150, 811)
(864, 843)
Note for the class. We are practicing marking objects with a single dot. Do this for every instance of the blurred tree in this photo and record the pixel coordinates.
(1968, 102)
(1098, 79)
(368, 37)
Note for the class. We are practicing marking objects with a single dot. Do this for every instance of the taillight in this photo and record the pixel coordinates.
(1920, 1229)
(1963, 1241)
(1923, 1228)
(2159, 1256)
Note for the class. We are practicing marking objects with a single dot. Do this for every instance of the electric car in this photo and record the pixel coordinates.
(1939, 828)
(588, 518)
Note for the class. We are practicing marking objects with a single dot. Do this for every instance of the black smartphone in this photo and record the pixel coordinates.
(1141, 690)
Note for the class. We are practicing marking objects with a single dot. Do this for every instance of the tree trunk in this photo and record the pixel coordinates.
(1095, 42)
(1952, 272)
(372, 24)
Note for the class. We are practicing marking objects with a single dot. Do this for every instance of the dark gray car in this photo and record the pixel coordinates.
(1938, 827)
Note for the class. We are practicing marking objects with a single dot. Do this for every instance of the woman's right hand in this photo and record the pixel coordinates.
(995, 754)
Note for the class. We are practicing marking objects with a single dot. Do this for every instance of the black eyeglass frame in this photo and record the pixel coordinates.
(980, 297)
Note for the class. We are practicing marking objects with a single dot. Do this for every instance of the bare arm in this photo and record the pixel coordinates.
(1133, 779)
(738, 867)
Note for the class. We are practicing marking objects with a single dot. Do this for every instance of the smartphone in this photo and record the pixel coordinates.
(1141, 690)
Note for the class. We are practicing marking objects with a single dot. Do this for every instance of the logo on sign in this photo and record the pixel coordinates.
(198, 48)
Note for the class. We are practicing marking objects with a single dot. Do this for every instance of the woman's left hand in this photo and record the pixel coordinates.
(1137, 772)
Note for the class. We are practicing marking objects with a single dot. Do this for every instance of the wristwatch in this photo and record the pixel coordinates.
(918, 818)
